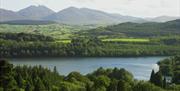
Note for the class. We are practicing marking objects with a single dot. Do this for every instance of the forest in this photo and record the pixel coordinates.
(122, 40)
(36, 45)
(89, 45)
(168, 74)
(38, 78)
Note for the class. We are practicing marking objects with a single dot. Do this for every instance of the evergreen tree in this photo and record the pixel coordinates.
(55, 70)
(20, 81)
(152, 76)
(113, 85)
(39, 86)
(164, 83)
(6, 76)
(28, 87)
(123, 86)
(158, 80)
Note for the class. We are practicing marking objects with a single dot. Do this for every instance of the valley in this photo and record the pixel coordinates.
(75, 48)
(60, 40)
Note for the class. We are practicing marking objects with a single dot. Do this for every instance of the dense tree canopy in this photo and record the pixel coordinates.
(168, 74)
(30, 45)
(37, 78)
(24, 37)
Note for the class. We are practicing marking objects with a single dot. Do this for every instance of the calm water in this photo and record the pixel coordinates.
(140, 67)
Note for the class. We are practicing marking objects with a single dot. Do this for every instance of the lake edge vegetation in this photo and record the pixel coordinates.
(37, 45)
(38, 78)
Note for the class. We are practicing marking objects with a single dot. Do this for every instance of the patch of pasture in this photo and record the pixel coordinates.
(126, 40)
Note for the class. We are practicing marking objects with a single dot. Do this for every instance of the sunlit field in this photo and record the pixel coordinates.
(126, 40)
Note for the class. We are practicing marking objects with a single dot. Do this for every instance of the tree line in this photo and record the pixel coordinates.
(168, 74)
(38, 78)
(24, 37)
(29, 45)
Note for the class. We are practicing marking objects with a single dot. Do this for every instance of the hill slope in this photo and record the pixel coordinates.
(163, 19)
(129, 29)
(28, 22)
(35, 12)
(74, 15)
(7, 15)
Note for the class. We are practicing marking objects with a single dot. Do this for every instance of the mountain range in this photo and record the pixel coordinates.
(73, 15)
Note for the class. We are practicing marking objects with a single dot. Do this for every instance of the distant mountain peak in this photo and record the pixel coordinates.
(8, 15)
(70, 9)
(36, 6)
(35, 12)
(74, 15)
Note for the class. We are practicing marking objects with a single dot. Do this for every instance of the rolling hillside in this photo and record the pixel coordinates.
(7, 15)
(129, 29)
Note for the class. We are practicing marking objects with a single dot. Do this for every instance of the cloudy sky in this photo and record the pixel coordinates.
(138, 8)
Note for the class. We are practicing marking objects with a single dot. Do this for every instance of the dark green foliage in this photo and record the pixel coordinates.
(168, 73)
(171, 67)
(164, 83)
(43, 47)
(24, 37)
(20, 81)
(28, 87)
(152, 76)
(37, 78)
(39, 85)
(163, 39)
(156, 78)
(123, 86)
(83, 47)
(146, 86)
(6, 76)
(33, 45)
(113, 85)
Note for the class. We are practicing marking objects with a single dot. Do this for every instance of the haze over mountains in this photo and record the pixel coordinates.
(74, 15)
(36, 12)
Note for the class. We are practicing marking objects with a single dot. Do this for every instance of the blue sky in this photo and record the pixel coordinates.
(138, 8)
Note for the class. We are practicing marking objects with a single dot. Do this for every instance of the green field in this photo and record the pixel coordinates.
(111, 40)
(63, 41)
(125, 40)
(57, 31)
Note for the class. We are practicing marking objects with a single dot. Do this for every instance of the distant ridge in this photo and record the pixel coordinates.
(73, 15)
(28, 22)
(163, 19)
(7, 15)
(35, 12)
(150, 29)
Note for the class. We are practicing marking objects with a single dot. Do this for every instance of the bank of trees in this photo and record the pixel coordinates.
(24, 37)
(37, 78)
(29, 45)
(168, 74)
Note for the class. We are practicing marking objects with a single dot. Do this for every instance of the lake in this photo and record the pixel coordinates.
(140, 67)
